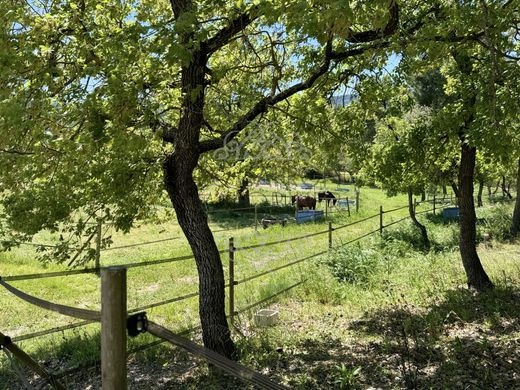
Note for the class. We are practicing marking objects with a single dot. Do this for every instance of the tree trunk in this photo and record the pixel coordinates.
(420, 226)
(477, 277)
(423, 195)
(243, 194)
(496, 188)
(178, 170)
(183, 193)
(456, 191)
(480, 191)
(515, 226)
(444, 190)
(505, 191)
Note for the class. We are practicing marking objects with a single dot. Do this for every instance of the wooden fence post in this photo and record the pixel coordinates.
(348, 207)
(113, 328)
(357, 200)
(256, 217)
(381, 220)
(330, 235)
(97, 258)
(231, 281)
(434, 204)
(326, 208)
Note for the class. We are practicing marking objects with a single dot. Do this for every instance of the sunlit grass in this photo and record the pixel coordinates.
(420, 277)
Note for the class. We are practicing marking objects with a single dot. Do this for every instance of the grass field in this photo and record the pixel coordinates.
(389, 272)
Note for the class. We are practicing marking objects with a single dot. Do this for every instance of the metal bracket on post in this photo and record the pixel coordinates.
(136, 324)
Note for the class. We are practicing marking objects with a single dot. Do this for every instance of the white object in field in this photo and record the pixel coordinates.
(266, 317)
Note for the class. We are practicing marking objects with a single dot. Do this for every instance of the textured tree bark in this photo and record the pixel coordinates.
(178, 170)
(420, 226)
(480, 191)
(515, 226)
(183, 193)
(477, 277)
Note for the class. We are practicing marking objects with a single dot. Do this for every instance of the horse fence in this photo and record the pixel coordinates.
(116, 319)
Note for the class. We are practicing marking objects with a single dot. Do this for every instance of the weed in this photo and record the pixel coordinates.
(347, 377)
(353, 264)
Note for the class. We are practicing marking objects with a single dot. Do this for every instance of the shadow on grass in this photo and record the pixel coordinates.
(467, 340)
(75, 361)
(410, 235)
(498, 309)
(464, 341)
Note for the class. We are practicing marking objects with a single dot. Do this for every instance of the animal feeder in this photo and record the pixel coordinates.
(450, 213)
(266, 317)
(303, 216)
(266, 222)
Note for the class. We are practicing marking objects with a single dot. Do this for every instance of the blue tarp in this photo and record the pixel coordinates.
(308, 215)
(451, 212)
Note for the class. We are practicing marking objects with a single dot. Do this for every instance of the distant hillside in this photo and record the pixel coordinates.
(342, 101)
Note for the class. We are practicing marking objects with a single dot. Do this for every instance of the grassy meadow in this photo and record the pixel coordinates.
(366, 314)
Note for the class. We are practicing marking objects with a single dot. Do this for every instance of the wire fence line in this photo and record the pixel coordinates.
(396, 222)
(187, 296)
(395, 209)
(267, 244)
(140, 244)
(356, 222)
(438, 201)
(91, 316)
(292, 263)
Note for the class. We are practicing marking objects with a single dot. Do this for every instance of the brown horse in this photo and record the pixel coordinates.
(304, 201)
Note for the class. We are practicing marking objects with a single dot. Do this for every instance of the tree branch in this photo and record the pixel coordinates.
(263, 105)
(17, 152)
(223, 36)
(386, 31)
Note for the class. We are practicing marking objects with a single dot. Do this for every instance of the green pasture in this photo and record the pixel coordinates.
(404, 269)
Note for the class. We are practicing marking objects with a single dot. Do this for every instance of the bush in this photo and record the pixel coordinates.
(353, 264)
(497, 222)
